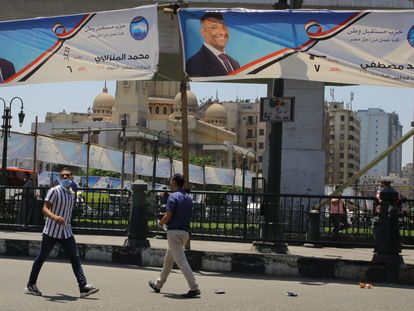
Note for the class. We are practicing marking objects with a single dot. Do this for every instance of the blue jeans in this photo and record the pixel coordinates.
(71, 250)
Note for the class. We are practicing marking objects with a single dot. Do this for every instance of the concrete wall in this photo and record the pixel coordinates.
(303, 157)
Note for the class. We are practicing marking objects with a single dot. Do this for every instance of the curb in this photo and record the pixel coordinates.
(264, 264)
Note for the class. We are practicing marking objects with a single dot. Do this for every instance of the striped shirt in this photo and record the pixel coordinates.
(62, 201)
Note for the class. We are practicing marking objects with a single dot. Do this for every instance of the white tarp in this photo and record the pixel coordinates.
(53, 150)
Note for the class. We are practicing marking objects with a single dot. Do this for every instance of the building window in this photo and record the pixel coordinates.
(261, 145)
(157, 110)
(342, 118)
(261, 132)
(164, 110)
(150, 109)
(125, 83)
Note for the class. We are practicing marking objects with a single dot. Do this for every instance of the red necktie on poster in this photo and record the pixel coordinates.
(226, 62)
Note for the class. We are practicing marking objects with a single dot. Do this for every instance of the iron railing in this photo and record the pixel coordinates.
(96, 210)
(224, 215)
(216, 215)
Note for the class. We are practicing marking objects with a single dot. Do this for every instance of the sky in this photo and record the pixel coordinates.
(38, 99)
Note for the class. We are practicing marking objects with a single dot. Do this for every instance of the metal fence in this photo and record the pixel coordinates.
(237, 216)
(216, 215)
(96, 210)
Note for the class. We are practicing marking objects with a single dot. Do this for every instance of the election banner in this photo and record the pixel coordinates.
(355, 47)
(116, 45)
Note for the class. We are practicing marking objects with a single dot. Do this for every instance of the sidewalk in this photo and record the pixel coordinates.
(343, 263)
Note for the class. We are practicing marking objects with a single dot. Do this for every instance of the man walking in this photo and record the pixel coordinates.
(177, 218)
(58, 206)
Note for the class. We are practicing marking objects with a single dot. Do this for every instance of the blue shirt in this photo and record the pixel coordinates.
(181, 206)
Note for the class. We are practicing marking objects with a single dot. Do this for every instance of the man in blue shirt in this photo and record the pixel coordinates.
(177, 218)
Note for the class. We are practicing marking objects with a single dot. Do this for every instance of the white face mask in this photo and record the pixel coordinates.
(66, 183)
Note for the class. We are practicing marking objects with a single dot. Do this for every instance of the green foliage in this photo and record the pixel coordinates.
(193, 159)
(98, 172)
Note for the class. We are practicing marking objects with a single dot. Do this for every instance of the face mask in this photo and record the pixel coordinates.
(66, 183)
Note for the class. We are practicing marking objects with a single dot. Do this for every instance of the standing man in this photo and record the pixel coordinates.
(177, 218)
(58, 206)
(211, 59)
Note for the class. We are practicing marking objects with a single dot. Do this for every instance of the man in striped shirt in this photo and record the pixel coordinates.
(58, 206)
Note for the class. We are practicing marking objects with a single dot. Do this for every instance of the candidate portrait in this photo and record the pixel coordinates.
(211, 59)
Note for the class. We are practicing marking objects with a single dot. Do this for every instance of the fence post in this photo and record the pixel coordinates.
(313, 228)
(138, 220)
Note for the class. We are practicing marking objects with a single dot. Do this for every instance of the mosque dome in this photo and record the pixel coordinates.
(192, 103)
(102, 105)
(216, 114)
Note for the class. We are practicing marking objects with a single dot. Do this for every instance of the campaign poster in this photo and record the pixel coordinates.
(115, 45)
(350, 47)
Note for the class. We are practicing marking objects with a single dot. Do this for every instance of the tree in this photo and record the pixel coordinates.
(192, 158)
(98, 172)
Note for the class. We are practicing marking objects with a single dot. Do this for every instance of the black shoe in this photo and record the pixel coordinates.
(192, 294)
(32, 290)
(153, 286)
(87, 290)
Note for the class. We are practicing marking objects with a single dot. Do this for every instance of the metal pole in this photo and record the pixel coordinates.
(6, 126)
(88, 148)
(123, 125)
(154, 158)
(184, 121)
(133, 162)
(244, 163)
(35, 152)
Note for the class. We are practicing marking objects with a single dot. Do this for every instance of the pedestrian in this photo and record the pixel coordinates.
(337, 214)
(28, 201)
(57, 208)
(177, 219)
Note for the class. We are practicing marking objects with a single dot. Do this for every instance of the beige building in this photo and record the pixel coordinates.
(341, 144)
(151, 111)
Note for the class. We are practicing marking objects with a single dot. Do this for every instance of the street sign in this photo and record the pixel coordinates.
(277, 109)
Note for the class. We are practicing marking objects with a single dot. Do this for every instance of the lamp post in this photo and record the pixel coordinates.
(6, 133)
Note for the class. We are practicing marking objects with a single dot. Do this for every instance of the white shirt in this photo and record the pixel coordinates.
(62, 201)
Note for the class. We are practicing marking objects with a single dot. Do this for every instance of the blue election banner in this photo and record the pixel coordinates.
(365, 47)
(113, 45)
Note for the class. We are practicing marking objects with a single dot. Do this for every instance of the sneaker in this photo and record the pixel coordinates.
(32, 290)
(153, 286)
(87, 290)
(192, 294)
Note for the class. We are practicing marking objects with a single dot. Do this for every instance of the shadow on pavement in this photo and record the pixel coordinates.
(61, 298)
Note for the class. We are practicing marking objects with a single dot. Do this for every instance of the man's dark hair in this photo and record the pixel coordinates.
(65, 169)
(215, 15)
(179, 180)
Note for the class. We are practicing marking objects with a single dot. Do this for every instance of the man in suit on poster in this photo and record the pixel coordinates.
(211, 59)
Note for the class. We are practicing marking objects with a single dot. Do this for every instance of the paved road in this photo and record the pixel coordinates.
(125, 288)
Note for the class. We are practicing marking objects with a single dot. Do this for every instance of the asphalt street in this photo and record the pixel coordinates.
(125, 288)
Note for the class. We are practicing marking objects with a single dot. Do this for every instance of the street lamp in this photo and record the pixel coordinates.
(6, 133)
